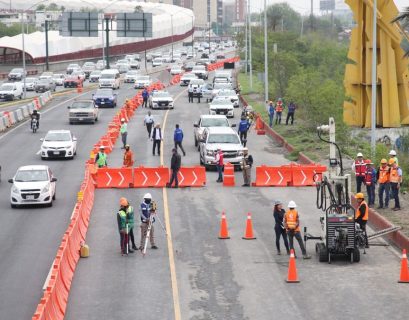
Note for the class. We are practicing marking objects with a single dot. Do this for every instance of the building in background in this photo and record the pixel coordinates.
(240, 10)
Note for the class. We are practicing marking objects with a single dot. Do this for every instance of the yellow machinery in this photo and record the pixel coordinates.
(392, 68)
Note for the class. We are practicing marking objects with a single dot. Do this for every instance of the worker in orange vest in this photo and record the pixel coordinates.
(128, 157)
(292, 225)
(359, 167)
(362, 214)
(370, 181)
(382, 175)
(279, 110)
(395, 179)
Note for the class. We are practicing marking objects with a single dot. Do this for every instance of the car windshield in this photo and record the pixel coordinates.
(104, 93)
(47, 74)
(176, 67)
(161, 94)
(95, 73)
(223, 138)
(81, 105)
(214, 122)
(31, 175)
(58, 76)
(199, 68)
(73, 66)
(43, 81)
(132, 73)
(30, 80)
(197, 81)
(107, 76)
(227, 93)
(7, 87)
(222, 85)
(77, 73)
(17, 70)
(190, 75)
(143, 78)
(89, 64)
(58, 136)
(220, 102)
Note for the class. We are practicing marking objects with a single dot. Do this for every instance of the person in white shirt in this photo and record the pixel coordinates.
(190, 93)
(156, 137)
(148, 122)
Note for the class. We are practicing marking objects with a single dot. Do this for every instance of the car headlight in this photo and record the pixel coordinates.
(44, 147)
(46, 189)
(14, 189)
(68, 147)
(209, 152)
(240, 153)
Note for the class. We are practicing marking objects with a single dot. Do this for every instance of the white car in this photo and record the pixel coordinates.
(142, 82)
(101, 64)
(32, 185)
(217, 86)
(134, 64)
(160, 99)
(30, 83)
(80, 74)
(123, 67)
(131, 76)
(229, 94)
(200, 71)
(185, 79)
(222, 106)
(206, 121)
(157, 62)
(59, 79)
(175, 69)
(94, 76)
(71, 67)
(47, 75)
(59, 144)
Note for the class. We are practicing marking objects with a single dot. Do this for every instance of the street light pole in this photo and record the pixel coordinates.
(250, 55)
(265, 54)
(246, 44)
(24, 55)
(171, 24)
(374, 57)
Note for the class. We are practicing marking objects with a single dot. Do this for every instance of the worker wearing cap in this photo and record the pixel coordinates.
(123, 226)
(145, 96)
(246, 164)
(101, 158)
(279, 229)
(219, 164)
(359, 167)
(382, 176)
(279, 110)
(370, 181)
(147, 209)
(128, 157)
(392, 155)
(292, 225)
(244, 127)
(362, 214)
(124, 132)
(395, 179)
(271, 111)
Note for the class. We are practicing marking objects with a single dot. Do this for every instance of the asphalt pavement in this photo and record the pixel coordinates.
(194, 275)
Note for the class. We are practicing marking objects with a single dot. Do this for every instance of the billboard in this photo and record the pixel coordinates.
(327, 5)
(134, 24)
(79, 24)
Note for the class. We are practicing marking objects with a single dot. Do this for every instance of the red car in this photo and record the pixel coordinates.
(72, 82)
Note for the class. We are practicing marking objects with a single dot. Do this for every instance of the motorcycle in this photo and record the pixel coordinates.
(34, 125)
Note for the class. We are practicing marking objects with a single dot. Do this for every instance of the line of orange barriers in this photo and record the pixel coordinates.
(292, 175)
(175, 79)
(220, 64)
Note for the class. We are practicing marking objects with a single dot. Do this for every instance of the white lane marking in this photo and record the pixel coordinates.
(281, 177)
(268, 180)
(183, 178)
(122, 178)
(38, 152)
(146, 178)
(47, 280)
(194, 181)
(109, 177)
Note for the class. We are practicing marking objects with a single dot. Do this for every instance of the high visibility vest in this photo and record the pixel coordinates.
(124, 128)
(122, 219)
(360, 168)
(128, 161)
(394, 176)
(130, 215)
(291, 217)
(102, 159)
(368, 176)
(279, 106)
(358, 211)
(383, 174)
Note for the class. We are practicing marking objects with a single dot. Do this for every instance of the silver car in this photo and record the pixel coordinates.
(206, 121)
(160, 99)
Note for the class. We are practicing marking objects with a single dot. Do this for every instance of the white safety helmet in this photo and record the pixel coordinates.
(122, 120)
(292, 204)
(359, 155)
(392, 153)
(147, 196)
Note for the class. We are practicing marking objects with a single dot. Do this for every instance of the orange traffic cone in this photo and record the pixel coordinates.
(249, 229)
(404, 271)
(224, 233)
(292, 276)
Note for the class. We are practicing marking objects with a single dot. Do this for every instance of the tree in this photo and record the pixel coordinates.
(138, 9)
(404, 19)
(282, 16)
(40, 7)
(53, 7)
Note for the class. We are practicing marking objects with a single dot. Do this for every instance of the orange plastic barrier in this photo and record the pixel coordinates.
(304, 175)
(192, 176)
(114, 177)
(228, 175)
(272, 176)
(145, 177)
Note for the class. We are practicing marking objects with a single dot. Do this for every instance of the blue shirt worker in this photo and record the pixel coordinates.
(271, 111)
(147, 209)
(290, 113)
(244, 126)
(145, 96)
(178, 138)
(370, 181)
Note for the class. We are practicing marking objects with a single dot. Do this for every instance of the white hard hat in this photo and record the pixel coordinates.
(292, 204)
(245, 149)
(392, 153)
(359, 155)
(122, 120)
(147, 196)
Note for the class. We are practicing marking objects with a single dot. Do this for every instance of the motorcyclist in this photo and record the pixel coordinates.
(35, 115)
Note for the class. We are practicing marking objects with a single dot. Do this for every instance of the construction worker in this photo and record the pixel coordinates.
(382, 175)
(124, 132)
(290, 114)
(175, 164)
(145, 96)
(395, 179)
(279, 110)
(370, 181)
(219, 164)
(359, 167)
(178, 138)
(147, 209)
(123, 226)
(157, 138)
(244, 126)
(271, 111)
(362, 214)
(392, 155)
(279, 229)
(246, 165)
(148, 122)
(101, 158)
(190, 93)
(292, 225)
(128, 157)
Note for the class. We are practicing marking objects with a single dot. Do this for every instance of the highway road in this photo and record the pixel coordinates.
(194, 275)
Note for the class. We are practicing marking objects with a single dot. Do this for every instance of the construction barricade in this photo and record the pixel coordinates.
(272, 176)
(192, 176)
(114, 178)
(306, 175)
(156, 177)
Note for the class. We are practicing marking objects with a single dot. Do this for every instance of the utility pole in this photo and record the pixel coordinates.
(107, 42)
(46, 44)
(374, 78)
(246, 43)
(312, 15)
(24, 55)
(250, 55)
(265, 53)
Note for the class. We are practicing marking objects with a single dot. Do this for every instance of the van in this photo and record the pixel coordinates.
(110, 78)
(11, 90)
(222, 76)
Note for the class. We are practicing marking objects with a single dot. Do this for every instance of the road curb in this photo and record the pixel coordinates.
(376, 220)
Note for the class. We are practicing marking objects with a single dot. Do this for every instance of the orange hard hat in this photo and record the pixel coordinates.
(391, 161)
(123, 202)
(384, 161)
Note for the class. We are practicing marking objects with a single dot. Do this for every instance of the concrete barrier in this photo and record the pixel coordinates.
(3, 126)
